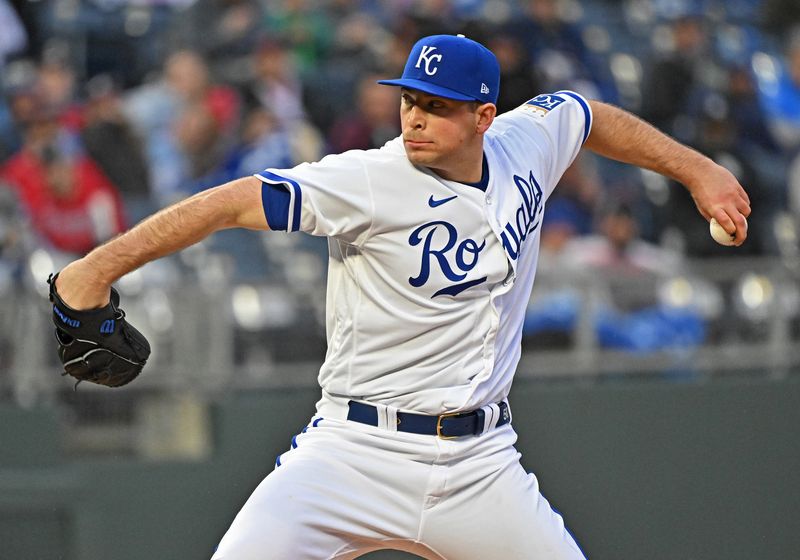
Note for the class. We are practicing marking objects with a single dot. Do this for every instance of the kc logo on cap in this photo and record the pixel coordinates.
(426, 56)
(451, 66)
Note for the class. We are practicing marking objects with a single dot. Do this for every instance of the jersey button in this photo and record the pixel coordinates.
(489, 199)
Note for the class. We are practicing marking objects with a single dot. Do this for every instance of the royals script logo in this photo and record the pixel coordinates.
(527, 217)
(441, 249)
(454, 258)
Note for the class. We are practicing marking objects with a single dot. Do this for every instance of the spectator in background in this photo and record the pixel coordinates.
(276, 83)
(33, 91)
(305, 28)
(578, 195)
(71, 205)
(58, 87)
(356, 50)
(187, 121)
(152, 109)
(755, 145)
(393, 60)
(618, 248)
(672, 83)
(374, 122)
(17, 106)
(230, 32)
(188, 76)
(111, 142)
(748, 115)
(519, 79)
(558, 229)
(263, 144)
(276, 86)
(420, 18)
(570, 210)
(557, 49)
(196, 132)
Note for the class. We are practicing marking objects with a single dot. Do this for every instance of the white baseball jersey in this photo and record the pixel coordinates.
(429, 279)
(428, 283)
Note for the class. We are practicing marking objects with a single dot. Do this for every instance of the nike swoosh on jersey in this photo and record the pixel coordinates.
(434, 203)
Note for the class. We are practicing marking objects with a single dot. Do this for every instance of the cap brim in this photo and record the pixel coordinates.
(427, 87)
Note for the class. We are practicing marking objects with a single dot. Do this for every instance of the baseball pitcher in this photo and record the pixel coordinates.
(434, 241)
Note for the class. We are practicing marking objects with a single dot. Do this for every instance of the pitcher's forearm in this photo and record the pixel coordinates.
(169, 230)
(84, 283)
(622, 136)
(235, 204)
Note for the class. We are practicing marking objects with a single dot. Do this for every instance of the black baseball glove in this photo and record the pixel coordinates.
(98, 345)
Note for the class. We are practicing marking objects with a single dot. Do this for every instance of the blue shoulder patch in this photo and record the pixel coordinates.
(546, 101)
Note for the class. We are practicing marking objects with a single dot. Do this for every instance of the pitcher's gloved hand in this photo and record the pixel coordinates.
(98, 345)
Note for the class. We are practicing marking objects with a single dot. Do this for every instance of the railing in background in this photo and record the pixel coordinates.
(217, 336)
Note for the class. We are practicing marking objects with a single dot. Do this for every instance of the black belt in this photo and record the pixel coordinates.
(446, 426)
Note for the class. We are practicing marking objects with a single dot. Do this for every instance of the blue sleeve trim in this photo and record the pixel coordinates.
(587, 113)
(275, 199)
(279, 195)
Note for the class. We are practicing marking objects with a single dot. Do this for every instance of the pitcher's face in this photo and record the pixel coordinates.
(438, 132)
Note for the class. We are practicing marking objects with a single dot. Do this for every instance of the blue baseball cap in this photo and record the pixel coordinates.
(451, 66)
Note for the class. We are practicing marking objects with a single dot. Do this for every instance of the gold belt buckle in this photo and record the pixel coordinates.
(439, 425)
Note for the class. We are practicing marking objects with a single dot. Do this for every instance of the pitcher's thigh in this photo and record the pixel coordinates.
(331, 497)
(502, 515)
(285, 517)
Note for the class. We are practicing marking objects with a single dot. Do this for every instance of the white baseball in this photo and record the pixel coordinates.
(720, 235)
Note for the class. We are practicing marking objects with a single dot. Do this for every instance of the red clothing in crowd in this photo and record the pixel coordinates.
(223, 104)
(76, 221)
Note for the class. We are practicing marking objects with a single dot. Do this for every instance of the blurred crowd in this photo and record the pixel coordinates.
(111, 109)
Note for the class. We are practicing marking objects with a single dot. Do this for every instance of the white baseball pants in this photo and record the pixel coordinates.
(345, 489)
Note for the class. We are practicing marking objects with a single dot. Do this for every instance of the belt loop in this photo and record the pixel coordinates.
(391, 418)
(381, 410)
(387, 417)
(490, 417)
